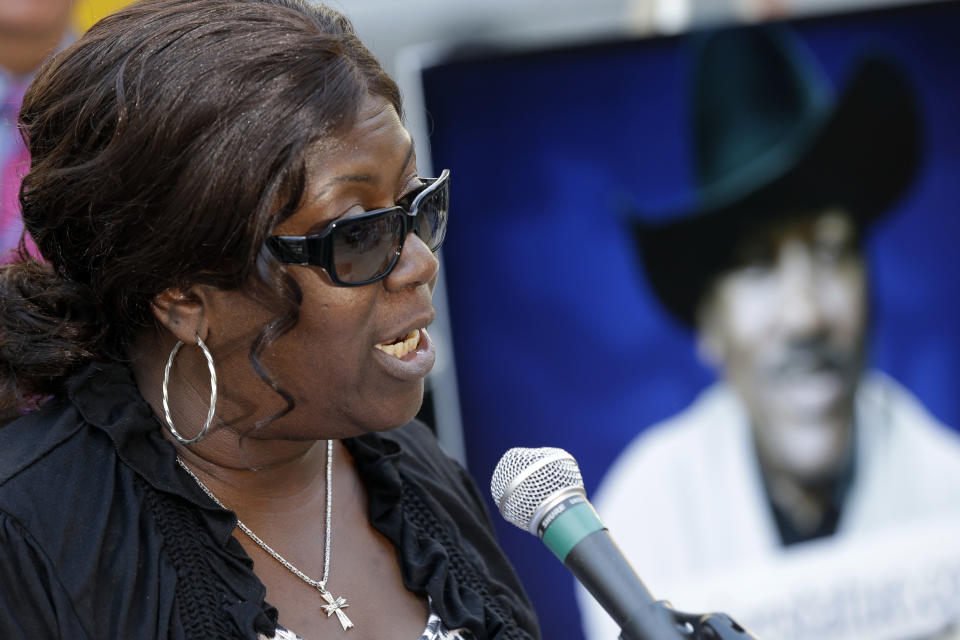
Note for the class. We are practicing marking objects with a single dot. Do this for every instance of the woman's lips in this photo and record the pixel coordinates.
(410, 357)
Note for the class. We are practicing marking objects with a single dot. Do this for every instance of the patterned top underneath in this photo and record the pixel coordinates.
(435, 630)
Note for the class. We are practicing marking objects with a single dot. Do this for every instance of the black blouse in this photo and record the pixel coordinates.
(102, 535)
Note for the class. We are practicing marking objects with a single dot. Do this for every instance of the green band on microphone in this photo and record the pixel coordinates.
(570, 527)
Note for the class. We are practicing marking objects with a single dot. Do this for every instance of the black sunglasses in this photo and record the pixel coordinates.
(363, 249)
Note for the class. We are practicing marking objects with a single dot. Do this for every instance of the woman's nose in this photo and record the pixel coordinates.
(417, 265)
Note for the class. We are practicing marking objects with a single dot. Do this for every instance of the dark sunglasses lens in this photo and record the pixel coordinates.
(365, 249)
(432, 216)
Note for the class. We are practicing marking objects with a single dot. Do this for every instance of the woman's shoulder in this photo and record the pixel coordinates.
(33, 600)
(41, 441)
(98, 414)
(58, 475)
(60, 498)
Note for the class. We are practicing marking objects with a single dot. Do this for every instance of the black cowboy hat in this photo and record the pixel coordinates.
(770, 140)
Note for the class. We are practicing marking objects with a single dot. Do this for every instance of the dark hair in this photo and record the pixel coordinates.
(166, 144)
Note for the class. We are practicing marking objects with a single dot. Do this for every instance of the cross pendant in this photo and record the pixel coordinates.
(336, 606)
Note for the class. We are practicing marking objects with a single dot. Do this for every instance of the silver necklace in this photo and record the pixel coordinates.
(335, 605)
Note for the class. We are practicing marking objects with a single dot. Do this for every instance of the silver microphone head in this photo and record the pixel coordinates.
(527, 480)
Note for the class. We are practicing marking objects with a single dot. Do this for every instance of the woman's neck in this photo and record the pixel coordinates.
(262, 478)
(230, 456)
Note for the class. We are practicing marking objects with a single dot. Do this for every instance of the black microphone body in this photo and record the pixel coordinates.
(599, 565)
(541, 491)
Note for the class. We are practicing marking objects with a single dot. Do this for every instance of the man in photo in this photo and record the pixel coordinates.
(799, 445)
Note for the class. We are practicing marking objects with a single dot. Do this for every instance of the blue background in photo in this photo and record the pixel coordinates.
(558, 340)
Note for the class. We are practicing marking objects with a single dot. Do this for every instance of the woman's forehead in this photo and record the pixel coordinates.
(375, 149)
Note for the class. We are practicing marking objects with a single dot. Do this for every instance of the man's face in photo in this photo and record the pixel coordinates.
(786, 327)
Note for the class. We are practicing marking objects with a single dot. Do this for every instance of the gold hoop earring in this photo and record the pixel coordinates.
(213, 393)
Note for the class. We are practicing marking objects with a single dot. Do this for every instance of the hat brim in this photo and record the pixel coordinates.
(862, 159)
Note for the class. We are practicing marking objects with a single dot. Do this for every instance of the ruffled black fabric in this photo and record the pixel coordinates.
(218, 595)
(430, 510)
(173, 548)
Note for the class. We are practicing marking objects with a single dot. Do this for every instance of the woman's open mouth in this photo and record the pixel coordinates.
(408, 357)
(402, 345)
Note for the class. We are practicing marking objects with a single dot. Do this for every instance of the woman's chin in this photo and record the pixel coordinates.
(399, 412)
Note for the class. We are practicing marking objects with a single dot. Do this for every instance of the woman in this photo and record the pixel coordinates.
(223, 190)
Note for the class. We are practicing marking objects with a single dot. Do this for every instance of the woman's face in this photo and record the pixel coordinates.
(335, 362)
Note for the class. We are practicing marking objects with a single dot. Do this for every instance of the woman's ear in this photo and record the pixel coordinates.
(182, 313)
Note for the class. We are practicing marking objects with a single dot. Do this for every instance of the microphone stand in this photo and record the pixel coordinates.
(695, 626)
(710, 626)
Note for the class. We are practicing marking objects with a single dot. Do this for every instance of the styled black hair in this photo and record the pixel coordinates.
(165, 145)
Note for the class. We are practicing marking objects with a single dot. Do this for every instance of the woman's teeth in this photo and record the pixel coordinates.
(401, 346)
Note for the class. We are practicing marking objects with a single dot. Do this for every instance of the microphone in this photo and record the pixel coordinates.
(541, 491)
